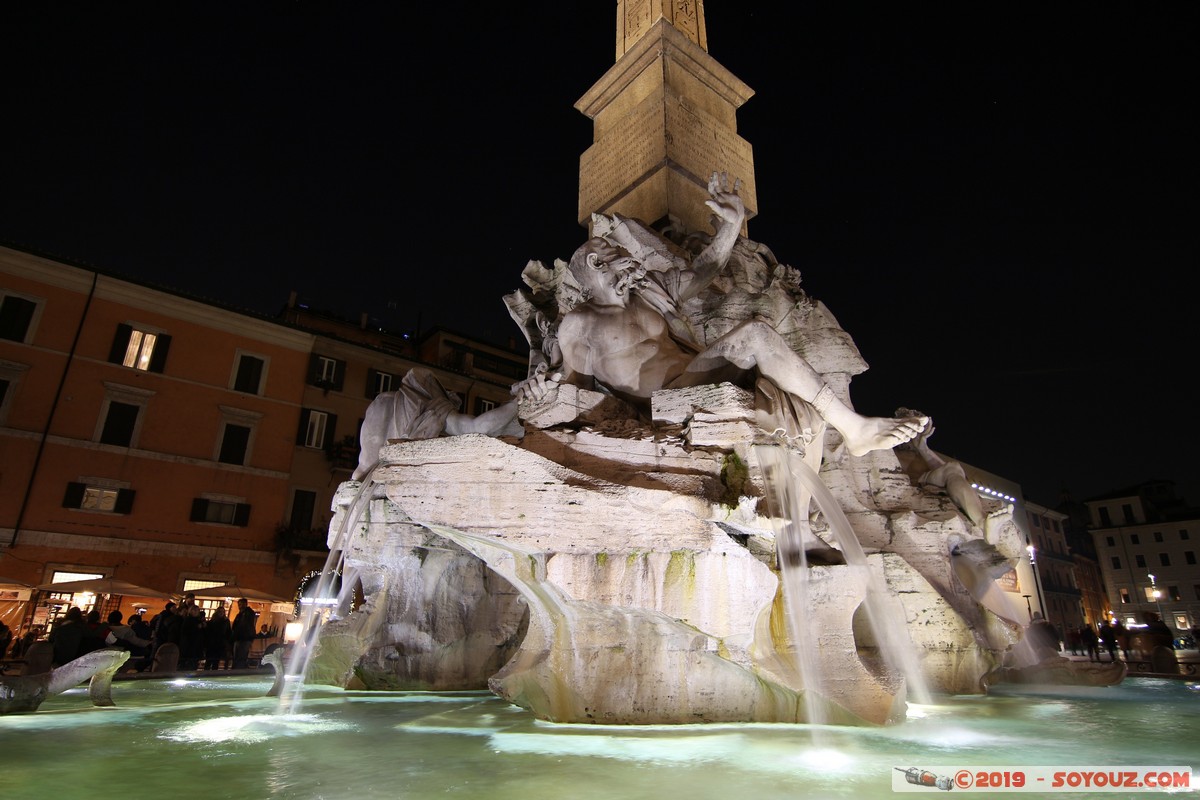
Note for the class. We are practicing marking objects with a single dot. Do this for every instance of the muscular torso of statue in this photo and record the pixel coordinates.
(628, 349)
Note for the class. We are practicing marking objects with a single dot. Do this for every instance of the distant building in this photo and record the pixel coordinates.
(1146, 541)
(178, 444)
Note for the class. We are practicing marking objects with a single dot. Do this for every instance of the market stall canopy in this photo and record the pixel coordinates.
(235, 591)
(109, 586)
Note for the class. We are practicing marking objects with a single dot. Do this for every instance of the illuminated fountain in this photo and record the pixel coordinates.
(709, 557)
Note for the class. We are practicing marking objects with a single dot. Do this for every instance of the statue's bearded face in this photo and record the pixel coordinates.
(602, 268)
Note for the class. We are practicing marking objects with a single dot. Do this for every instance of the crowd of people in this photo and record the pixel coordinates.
(204, 640)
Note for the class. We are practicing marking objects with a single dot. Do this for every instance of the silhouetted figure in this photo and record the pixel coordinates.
(1108, 638)
(245, 629)
(67, 635)
(6, 637)
(191, 636)
(1090, 642)
(1121, 634)
(218, 635)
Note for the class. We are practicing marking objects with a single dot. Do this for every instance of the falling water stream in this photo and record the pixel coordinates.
(786, 474)
(313, 614)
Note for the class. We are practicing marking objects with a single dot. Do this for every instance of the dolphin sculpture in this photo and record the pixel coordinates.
(26, 692)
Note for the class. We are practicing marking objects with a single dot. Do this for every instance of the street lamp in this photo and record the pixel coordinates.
(1037, 582)
(1157, 595)
(1028, 608)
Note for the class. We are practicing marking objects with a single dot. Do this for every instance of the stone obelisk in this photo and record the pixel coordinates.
(664, 118)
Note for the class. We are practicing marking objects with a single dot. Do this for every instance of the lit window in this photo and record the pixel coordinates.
(139, 348)
(98, 494)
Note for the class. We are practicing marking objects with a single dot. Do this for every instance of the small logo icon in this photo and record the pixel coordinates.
(923, 777)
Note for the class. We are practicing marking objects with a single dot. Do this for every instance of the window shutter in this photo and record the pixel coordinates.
(74, 496)
(339, 374)
(241, 514)
(124, 503)
(158, 359)
(199, 509)
(330, 429)
(372, 382)
(302, 431)
(314, 369)
(120, 343)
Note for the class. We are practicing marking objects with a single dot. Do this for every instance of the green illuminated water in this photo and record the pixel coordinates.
(223, 738)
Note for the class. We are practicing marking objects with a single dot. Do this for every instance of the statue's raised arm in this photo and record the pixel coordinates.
(729, 214)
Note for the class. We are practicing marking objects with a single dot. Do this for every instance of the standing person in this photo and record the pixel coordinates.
(245, 628)
(67, 635)
(95, 633)
(191, 636)
(165, 626)
(140, 627)
(1090, 642)
(125, 636)
(1121, 635)
(1108, 638)
(6, 637)
(218, 634)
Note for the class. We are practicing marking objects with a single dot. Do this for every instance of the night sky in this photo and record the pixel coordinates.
(995, 200)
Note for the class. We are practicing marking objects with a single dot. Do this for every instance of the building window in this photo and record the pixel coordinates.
(1110, 541)
(304, 503)
(1173, 593)
(140, 349)
(16, 317)
(379, 382)
(1054, 524)
(221, 510)
(316, 428)
(1127, 510)
(1141, 561)
(97, 495)
(1116, 562)
(1037, 521)
(1105, 520)
(328, 373)
(120, 422)
(237, 435)
(234, 442)
(1158, 536)
(10, 375)
(1189, 557)
(1183, 536)
(248, 376)
(1133, 539)
(1124, 595)
(1164, 559)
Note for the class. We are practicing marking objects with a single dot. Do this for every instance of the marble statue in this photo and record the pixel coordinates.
(626, 555)
(927, 468)
(421, 409)
(27, 692)
(619, 336)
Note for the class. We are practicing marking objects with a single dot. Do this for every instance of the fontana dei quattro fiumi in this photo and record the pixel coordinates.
(678, 546)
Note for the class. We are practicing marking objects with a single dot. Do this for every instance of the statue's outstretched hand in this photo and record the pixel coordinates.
(537, 388)
(725, 202)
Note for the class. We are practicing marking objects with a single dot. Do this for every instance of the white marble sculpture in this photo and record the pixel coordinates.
(27, 692)
(625, 560)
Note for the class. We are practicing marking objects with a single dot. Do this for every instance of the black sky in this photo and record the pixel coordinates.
(995, 200)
